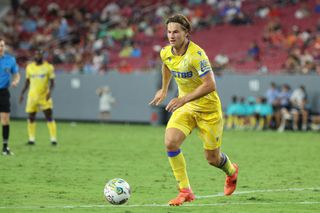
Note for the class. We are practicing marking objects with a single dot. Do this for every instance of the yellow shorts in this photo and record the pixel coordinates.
(36, 104)
(210, 125)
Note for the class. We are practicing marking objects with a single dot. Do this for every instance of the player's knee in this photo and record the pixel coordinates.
(171, 144)
(31, 118)
(5, 119)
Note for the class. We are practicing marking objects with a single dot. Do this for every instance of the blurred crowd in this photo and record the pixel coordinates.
(89, 41)
(301, 44)
(83, 40)
(281, 108)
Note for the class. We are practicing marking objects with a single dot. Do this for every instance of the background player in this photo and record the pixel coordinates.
(8, 67)
(40, 78)
(197, 105)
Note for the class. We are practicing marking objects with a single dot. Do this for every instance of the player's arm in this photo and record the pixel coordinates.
(24, 89)
(51, 86)
(51, 81)
(15, 74)
(162, 93)
(208, 85)
(15, 79)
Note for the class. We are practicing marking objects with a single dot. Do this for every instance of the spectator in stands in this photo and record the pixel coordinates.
(273, 34)
(274, 12)
(262, 11)
(125, 67)
(281, 112)
(253, 53)
(293, 64)
(229, 11)
(307, 62)
(126, 51)
(240, 19)
(306, 38)
(299, 107)
(317, 7)
(302, 12)
(292, 37)
(220, 63)
(136, 51)
(98, 62)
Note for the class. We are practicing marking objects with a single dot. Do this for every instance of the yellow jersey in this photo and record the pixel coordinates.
(39, 76)
(187, 71)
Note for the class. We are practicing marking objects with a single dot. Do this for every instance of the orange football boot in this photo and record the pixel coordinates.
(231, 181)
(185, 195)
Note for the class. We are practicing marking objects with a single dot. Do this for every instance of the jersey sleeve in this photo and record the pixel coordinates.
(162, 54)
(51, 72)
(15, 67)
(201, 63)
(28, 71)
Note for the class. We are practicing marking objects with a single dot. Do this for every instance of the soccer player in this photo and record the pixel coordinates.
(8, 67)
(40, 78)
(197, 105)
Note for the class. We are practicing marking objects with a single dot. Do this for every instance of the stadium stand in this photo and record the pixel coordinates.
(97, 36)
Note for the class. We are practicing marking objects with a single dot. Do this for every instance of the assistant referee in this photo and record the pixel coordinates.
(8, 68)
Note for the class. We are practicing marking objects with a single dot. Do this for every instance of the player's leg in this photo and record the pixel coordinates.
(285, 115)
(261, 122)
(31, 109)
(211, 129)
(173, 140)
(31, 128)
(179, 126)
(5, 120)
(295, 114)
(222, 161)
(268, 121)
(304, 114)
(230, 122)
(51, 126)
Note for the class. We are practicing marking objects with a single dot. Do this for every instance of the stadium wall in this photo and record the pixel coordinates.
(75, 95)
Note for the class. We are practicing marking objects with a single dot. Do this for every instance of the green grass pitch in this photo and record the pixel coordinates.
(278, 172)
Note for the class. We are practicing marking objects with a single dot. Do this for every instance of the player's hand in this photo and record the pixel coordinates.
(14, 83)
(175, 103)
(158, 98)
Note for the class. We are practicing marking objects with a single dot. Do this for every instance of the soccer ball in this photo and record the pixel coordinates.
(117, 191)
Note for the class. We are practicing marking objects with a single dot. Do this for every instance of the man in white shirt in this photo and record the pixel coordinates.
(298, 101)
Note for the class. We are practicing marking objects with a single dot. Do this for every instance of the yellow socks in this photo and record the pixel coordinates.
(230, 122)
(32, 130)
(261, 123)
(178, 165)
(226, 165)
(52, 130)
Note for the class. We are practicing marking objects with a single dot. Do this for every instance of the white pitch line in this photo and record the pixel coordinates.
(187, 204)
(258, 191)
